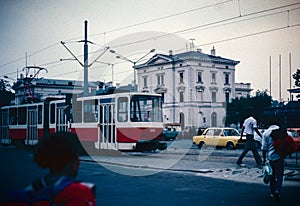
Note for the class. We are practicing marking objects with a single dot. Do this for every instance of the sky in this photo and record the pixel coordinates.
(261, 34)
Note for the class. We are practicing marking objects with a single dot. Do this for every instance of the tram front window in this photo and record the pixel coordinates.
(145, 108)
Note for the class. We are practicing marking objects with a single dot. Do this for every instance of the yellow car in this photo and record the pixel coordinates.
(219, 137)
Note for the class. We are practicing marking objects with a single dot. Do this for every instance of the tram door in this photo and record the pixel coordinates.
(107, 127)
(4, 127)
(61, 120)
(32, 130)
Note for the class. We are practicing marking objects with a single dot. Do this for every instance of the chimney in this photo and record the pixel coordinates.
(213, 51)
(170, 53)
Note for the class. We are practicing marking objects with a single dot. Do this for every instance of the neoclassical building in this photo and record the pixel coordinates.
(195, 86)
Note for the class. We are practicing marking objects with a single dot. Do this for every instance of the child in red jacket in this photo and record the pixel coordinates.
(59, 152)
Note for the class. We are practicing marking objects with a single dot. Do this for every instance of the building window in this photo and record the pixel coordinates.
(181, 77)
(213, 78)
(181, 99)
(213, 97)
(227, 97)
(199, 77)
(200, 95)
(160, 79)
(145, 82)
(226, 78)
(214, 119)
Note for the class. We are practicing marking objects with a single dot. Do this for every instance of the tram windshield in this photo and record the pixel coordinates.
(145, 108)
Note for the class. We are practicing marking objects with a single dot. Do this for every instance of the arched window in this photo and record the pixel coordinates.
(214, 119)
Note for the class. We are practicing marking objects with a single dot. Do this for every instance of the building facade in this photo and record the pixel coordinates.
(195, 86)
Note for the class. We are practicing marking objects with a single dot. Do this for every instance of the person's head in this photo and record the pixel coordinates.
(58, 152)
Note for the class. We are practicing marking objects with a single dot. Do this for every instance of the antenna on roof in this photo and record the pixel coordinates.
(192, 46)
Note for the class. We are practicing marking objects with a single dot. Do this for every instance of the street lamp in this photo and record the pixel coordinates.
(133, 62)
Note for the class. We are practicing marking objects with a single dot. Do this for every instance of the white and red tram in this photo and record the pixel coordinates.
(122, 121)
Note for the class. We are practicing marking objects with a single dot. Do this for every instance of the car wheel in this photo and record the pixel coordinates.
(201, 145)
(230, 146)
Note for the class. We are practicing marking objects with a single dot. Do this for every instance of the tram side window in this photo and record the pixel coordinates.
(40, 114)
(13, 116)
(52, 113)
(123, 109)
(90, 110)
(22, 113)
(77, 111)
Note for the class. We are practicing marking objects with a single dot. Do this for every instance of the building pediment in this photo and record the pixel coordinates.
(157, 59)
(199, 87)
(181, 88)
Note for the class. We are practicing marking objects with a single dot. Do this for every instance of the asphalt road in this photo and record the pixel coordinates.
(161, 188)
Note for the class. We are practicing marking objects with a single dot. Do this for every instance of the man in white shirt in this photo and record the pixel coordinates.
(249, 127)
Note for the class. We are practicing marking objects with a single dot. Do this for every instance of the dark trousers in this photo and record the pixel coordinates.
(277, 177)
(250, 145)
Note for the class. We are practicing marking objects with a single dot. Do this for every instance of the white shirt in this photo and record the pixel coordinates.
(267, 144)
(249, 124)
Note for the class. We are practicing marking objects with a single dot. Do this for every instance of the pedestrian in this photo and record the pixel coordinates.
(249, 127)
(276, 160)
(58, 152)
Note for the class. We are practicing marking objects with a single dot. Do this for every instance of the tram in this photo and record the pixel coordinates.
(121, 121)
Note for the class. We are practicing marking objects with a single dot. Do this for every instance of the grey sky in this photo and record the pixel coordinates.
(37, 27)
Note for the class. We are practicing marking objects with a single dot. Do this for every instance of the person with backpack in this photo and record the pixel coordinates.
(59, 152)
(276, 160)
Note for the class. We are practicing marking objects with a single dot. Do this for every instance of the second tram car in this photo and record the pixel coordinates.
(122, 121)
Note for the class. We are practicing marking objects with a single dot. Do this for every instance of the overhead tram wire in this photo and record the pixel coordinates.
(31, 54)
(238, 37)
(161, 18)
(233, 38)
(192, 10)
(205, 26)
(253, 34)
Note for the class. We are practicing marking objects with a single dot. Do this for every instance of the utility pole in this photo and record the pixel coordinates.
(270, 78)
(85, 64)
(280, 77)
(85, 67)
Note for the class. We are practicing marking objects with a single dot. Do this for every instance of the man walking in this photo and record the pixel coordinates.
(249, 127)
(276, 160)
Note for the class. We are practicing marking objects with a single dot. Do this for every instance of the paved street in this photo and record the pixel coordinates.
(183, 174)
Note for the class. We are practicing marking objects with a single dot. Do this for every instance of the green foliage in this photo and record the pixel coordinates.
(5, 94)
(296, 76)
(240, 108)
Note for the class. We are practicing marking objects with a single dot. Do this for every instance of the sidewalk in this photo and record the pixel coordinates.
(147, 164)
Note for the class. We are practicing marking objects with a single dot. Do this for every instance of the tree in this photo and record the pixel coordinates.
(5, 93)
(296, 76)
(239, 109)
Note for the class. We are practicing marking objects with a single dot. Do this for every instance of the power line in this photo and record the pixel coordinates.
(162, 18)
(176, 32)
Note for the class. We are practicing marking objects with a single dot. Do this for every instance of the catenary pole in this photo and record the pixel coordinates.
(85, 67)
